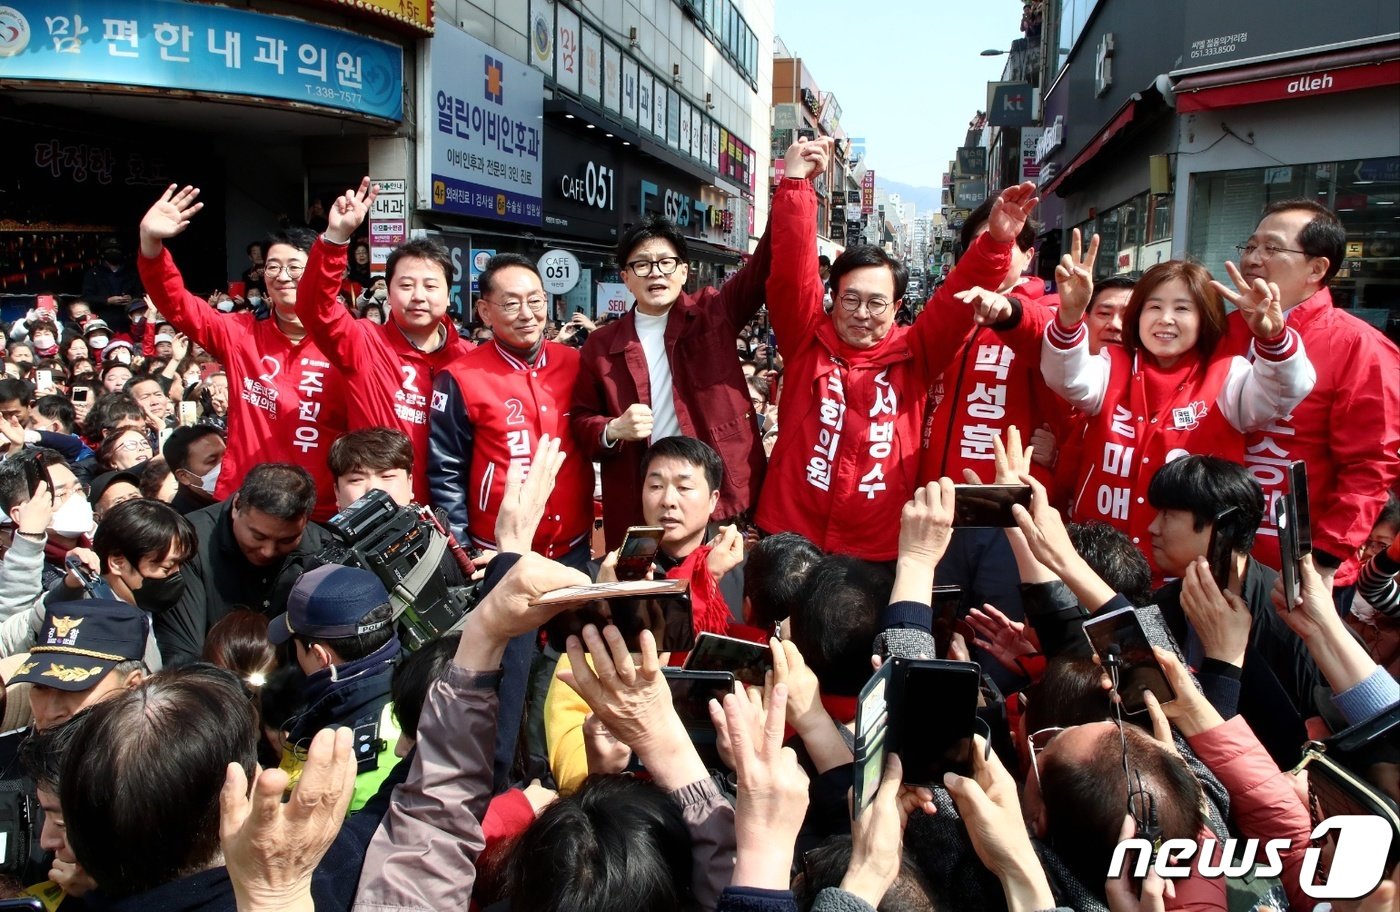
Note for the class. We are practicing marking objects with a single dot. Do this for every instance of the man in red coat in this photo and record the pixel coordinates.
(669, 367)
(289, 404)
(855, 384)
(388, 367)
(1348, 429)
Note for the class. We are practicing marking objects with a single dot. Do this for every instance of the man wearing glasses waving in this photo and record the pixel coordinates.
(669, 368)
(1348, 428)
(491, 407)
(290, 404)
(854, 396)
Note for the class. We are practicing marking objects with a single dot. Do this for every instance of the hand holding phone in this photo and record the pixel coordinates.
(1220, 551)
(639, 547)
(988, 506)
(1121, 643)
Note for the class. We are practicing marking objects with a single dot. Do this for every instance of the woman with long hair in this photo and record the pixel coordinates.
(1170, 389)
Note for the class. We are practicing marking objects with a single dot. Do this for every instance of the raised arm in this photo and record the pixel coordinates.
(340, 336)
(423, 856)
(191, 315)
(794, 288)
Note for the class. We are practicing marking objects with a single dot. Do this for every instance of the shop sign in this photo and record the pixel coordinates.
(201, 48)
(1050, 140)
(1030, 138)
(582, 182)
(969, 194)
(785, 117)
(559, 271)
(612, 299)
(417, 13)
(388, 222)
(479, 258)
(542, 36)
(867, 193)
(1010, 104)
(972, 161)
(481, 147)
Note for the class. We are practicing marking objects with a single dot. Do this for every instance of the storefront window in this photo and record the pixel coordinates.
(1365, 194)
(1160, 225)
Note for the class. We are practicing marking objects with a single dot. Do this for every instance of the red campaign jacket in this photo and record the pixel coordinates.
(489, 410)
(1347, 431)
(851, 420)
(992, 384)
(389, 381)
(286, 402)
(1125, 442)
(708, 389)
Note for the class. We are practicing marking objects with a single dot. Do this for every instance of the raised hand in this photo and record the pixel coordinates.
(1044, 528)
(989, 307)
(877, 834)
(1010, 211)
(926, 522)
(726, 551)
(772, 791)
(1260, 303)
(169, 216)
(34, 515)
(1074, 278)
(272, 847)
(348, 212)
(807, 158)
(1220, 619)
(522, 505)
(1002, 638)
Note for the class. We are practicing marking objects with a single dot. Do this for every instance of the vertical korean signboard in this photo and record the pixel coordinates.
(867, 193)
(480, 148)
(388, 222)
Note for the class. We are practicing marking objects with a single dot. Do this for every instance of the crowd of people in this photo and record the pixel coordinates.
(206, 709)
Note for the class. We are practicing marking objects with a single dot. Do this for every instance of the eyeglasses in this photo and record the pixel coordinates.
(1142, 804)
(132, 446)
(1371, 547)
(1265, 251)
(512, 308)
(1037, 742)
(665, 266)
(293, 270)
(852, 303)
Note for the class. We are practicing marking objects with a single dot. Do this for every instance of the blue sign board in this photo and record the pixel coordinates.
(194, 47)
(481, 148)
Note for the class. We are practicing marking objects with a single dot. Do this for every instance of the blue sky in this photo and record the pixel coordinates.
(906, 72)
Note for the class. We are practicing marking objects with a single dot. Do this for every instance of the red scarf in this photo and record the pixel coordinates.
(709, 613)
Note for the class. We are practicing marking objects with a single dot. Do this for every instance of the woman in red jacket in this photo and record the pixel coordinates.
(1170, 390)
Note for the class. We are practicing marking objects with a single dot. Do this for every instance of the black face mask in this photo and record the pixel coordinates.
(113, 256)
(160, 595)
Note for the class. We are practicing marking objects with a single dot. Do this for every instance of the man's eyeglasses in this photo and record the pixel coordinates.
(664, 266)
(132, 446)
(1265, 251)
(1037, 742)
(852, 303)
(293, 270)
(512, 308)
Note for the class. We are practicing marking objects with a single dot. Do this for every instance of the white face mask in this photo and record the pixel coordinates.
(225, 306)
(73, 519)
(210, 479)
(98, 341)
(191, 378)
(43, 341)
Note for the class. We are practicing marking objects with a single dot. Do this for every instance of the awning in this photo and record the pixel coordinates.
(1115, 125)
(1300, 77)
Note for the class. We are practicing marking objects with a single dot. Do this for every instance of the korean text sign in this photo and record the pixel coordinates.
(482, 139)
(200, 48)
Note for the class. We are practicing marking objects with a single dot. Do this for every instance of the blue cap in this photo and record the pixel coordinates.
(329, 603)
(81, 641)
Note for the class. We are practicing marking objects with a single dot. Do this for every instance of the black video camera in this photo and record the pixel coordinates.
(393, 543)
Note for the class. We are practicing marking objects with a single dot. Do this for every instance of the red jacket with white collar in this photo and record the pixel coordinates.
(285, 404)
(489, 410)
(1129, 438)
(1347, 431)
(847, 456)
(388, 379)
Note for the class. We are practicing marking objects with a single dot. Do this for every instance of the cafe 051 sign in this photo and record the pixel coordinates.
(582, 184)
